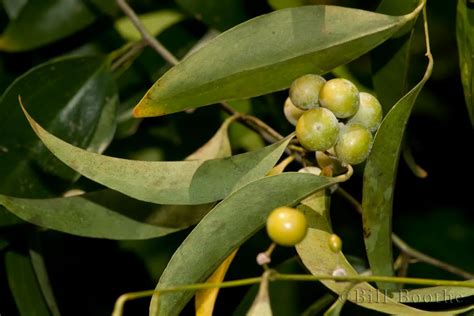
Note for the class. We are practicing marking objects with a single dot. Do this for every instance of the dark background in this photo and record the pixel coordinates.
(433, 215)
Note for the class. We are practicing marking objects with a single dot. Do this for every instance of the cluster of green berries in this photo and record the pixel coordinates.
(333, 114)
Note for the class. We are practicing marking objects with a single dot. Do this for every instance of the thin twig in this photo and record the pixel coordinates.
(254, 123)
(150, 40)
(408, 250)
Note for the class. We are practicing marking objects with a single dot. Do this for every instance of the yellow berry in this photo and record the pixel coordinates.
(286, 226)
(369, 113)
(354, 144)
(304, 91)
(335, 243)
(317, 129)
(340, 96)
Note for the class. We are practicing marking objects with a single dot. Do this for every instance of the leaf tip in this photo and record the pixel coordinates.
(144, 108)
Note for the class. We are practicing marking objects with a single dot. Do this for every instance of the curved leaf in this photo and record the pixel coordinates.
(206, 299)
(266, 54)
(24, 286)
(319, 260)
(226, 227)
(41, 22)
(109, 214)
(465, 39)
(105, 214)
(379, 183)
(178, 182)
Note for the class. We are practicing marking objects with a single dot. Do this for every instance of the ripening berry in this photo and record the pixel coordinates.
(304, 91)
(341, 97)
(286, 226)
(369, 113)
(354, 144)
(317, 129)
(292, 113)
(335, 243)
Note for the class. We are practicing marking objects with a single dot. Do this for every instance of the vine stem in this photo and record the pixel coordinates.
(275, 276)
(408, 250)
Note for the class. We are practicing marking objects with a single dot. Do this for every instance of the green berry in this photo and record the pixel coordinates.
(341, 97)
(292, 113)
(286, 226)
(304, 91)
(317, 129)
(335, 243)
(369, 113)
(354, 144)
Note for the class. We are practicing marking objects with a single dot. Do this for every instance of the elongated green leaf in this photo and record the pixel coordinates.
(390, 60)
(179, 182)
(465, 39)
(76, 99)
(319, 260)
(266, 54)
(105, 214)
(24, 285)
(226, 227)
(218, 14)
(109, 214)
(154, 22)
(41, 22)
(39, 267)
(379, 183)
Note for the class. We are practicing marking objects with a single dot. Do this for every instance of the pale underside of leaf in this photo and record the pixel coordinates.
(225, 228)
(180, 182)
(320, 260)
(266, 54)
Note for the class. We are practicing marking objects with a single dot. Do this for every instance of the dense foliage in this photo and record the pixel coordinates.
(135, 156)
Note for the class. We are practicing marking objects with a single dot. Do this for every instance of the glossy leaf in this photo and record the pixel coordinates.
(465, 39)
(206, 299)
(390, 61)
(266, 54)
(81, 98)
(24, 286)
(38, 23)
(379, 183)
(178, 182)
(218, 14)
(225, 228)
(154, 22)
(320, 260)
